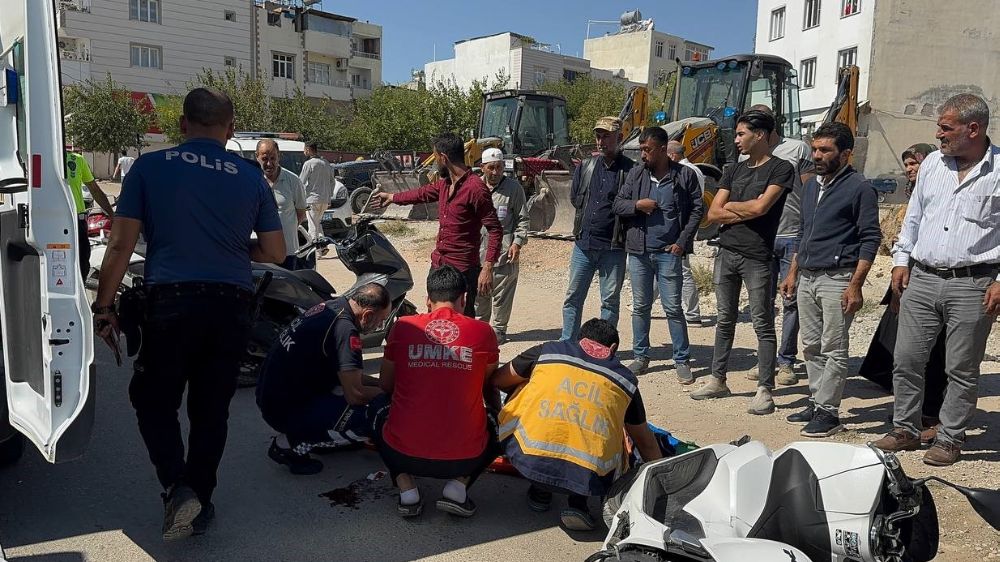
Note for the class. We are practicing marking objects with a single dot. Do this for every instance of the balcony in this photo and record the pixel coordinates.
(335, 46)
(336, 90)
(366, 61)
(71, 7)
(74, 59)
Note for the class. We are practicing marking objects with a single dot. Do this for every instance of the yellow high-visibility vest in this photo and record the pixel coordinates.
(572, 409)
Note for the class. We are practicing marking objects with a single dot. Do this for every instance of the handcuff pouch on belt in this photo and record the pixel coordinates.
(132, 308)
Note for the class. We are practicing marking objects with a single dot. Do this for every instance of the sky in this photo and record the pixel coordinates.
(413, 30)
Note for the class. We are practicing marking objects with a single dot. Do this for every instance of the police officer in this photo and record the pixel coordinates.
(311, 386)
(196, 205)
(78, 174)
(562, 428)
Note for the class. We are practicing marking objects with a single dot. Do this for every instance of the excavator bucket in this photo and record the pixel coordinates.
(398, 182)
(551, 209)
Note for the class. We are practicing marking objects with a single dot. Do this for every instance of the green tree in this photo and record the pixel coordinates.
(315, 119)
(168, 116)
(101, 116)
(251, 100)
(587, 99)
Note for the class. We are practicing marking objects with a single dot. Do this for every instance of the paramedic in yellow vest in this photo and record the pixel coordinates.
(77, 174)
(562, 426)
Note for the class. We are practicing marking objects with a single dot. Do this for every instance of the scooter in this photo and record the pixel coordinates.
(807, 502)
(363, 250)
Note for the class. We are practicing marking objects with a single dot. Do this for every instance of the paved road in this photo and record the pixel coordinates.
(105, 506)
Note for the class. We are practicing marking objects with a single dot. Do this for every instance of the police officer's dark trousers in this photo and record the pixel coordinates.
(194, 335)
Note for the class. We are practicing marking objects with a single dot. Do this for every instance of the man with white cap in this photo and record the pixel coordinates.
(512, 210)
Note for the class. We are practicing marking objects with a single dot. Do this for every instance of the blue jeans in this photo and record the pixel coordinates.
(610, 268)
(784, 249)
(665, 269)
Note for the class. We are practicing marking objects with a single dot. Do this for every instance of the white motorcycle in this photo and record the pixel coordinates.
(808, 502)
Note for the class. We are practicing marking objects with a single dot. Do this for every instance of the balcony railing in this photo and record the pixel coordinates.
(75, 5)
(356, 53)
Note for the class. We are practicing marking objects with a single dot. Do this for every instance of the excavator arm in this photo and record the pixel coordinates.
(844, 108)
(634, 111)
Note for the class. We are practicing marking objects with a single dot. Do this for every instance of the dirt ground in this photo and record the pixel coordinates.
(866, 410)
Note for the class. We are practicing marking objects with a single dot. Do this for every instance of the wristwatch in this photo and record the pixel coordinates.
(102, 309)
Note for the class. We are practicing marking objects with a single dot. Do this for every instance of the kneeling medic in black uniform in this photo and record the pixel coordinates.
(312, 387)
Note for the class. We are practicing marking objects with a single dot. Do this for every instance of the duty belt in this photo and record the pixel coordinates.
(198, 288)
(957, 272)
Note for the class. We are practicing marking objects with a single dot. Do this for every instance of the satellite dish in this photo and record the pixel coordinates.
(630, 18)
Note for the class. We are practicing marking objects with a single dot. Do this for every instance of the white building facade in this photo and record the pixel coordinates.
(645, 56)
(152, 46)
(526, 63)
(323, 54)
(818, 37)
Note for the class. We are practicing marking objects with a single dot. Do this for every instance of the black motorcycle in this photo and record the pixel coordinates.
(283, 294)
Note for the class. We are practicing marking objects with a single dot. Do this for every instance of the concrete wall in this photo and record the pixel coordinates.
(527, 65)
(823, 42)
(922, 57)
(193, 34)
(474, 60)
(630, 52)
(635, 53)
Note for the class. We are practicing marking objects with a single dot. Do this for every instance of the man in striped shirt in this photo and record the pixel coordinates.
(947, 274)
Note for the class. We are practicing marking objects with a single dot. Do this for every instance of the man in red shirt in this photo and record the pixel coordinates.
(435, 367)
(465, 207)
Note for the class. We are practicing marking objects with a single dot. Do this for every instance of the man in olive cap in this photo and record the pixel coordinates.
(598, 234)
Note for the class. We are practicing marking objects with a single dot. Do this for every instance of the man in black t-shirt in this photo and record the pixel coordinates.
(748, 205)
(311, 386)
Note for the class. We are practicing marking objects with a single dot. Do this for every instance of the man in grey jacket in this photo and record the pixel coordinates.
(317, 178)
(840, 237)
(660, 206)
(512, 210)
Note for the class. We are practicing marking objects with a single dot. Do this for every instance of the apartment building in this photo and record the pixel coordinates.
(153, 47)
(525, 61)
(912, 54)
(326, 55)
(641, 53)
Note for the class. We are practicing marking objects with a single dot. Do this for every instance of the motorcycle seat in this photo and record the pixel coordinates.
(315, 281)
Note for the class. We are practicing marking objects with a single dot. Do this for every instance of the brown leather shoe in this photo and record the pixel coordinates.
(927, 436)
(898, 440)
(942, 453)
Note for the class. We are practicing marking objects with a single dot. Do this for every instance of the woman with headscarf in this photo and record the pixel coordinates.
(878, 363)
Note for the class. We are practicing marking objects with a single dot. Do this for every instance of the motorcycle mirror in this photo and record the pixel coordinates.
(985, 502)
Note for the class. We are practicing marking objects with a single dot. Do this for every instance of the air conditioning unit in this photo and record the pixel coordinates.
(342, 64)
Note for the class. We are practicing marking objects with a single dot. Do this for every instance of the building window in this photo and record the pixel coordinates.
(274, 19)
(659, 49)
(846, 57)
(673, 52)
(283, 66)
(694, 54)
(851, 7)
(812, 14)
(319, 73)
(230, 15)
(778, 23)
(146, 56)
(144, 10)
(539, 76)
(229, 61)
(807, 72)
